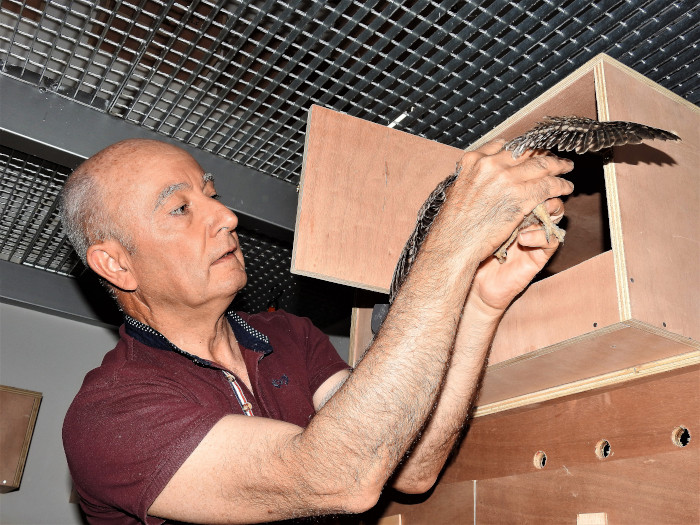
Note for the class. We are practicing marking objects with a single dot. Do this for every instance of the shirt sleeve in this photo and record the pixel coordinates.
(125, 438)
(321, 357)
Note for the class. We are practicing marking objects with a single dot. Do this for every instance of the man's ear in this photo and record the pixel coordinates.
(110, 261)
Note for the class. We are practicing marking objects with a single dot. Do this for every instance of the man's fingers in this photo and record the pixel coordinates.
(555, 208)
(533, 167)
(535, 238)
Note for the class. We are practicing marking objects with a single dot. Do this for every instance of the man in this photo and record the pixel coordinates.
(161, 431)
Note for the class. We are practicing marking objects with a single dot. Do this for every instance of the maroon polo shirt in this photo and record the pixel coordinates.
(140, 415)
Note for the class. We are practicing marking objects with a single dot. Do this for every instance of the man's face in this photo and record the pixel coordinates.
(186, 251)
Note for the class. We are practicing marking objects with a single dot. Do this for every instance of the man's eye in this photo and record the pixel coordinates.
(216, 196)
(179, 211)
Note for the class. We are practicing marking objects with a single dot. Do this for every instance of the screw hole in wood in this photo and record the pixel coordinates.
(680, 436)
(602, 449)
(540, 459)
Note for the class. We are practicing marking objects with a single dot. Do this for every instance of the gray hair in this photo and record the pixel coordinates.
(85, 216)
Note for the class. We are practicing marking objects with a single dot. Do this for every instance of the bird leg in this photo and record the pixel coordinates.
(549, 227)
(540, 212)
(502, 252)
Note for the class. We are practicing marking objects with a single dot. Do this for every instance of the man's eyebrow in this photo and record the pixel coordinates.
(207, 177)
(167, 192)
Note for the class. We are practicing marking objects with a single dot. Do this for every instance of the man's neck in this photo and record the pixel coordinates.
(197, 331)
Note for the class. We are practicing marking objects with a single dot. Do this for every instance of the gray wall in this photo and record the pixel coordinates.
(51, 355)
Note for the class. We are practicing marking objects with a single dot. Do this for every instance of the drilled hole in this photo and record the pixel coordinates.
(540, 459)
(680, 436)
(602, 449)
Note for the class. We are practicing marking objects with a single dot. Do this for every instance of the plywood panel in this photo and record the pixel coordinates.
(361, 188)
(579, 300)
(636, 418)
(659, 196)
(652, 490)
(18, 412)
(616, 348)
(360, 333)
(447, 504)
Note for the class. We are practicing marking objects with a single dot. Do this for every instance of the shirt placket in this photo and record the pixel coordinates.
(246, 406)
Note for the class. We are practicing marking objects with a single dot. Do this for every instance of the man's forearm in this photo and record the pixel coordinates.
(401, 375)
(425, 461)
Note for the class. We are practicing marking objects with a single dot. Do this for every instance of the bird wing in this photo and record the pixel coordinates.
(581, 134)
(426, 217)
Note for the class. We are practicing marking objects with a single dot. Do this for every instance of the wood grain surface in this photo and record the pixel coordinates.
(658, 186)
(361, 188)
(636, 418)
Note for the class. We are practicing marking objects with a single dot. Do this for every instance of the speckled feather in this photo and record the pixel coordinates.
(579, 134)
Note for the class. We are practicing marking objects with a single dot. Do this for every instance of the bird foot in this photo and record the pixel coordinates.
(502, 253)
(550, 229)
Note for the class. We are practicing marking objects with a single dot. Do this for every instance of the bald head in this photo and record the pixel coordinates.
(93, 208)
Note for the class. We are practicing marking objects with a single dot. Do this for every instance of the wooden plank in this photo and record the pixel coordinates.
(571, 303)
(592, 518)
(659, 198)
(637, 419)
(447, 504)
(591, 383)
(18, 412)
(651, 490)
(615, 348)
(362, 185)
(360, 333)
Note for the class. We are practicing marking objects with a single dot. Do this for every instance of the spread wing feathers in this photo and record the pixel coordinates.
(581, 134)
(426, 216)
(577, 134)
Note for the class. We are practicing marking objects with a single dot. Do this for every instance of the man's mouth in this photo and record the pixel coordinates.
(228, 255)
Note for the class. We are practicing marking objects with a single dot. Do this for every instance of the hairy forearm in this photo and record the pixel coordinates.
(427, 457)
(372, 421)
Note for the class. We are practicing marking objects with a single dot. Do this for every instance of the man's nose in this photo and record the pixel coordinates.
(225, 219)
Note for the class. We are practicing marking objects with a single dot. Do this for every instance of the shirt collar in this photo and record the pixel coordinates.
(245, 334)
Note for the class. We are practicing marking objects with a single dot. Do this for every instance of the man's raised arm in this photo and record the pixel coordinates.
(249, 470)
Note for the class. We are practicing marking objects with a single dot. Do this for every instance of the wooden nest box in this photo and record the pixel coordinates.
(621, 298)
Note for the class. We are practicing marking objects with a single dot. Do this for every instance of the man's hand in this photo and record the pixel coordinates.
(497, 284)
(494, 192)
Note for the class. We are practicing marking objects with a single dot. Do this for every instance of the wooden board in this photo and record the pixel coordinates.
(658, 187)
(637, 419)
(618, 347)
(18, 412)
(651, 490)
(360, 333)
(447, 504)
(362, 185)
(569, 304)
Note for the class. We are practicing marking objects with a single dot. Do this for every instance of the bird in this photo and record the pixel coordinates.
(565, 133)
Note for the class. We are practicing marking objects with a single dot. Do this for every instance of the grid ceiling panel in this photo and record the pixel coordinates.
(237, 78)
(30, 231)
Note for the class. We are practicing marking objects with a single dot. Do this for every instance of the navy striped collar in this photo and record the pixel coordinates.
(245, 334)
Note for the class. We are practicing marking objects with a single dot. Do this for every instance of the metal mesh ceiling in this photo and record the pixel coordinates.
(237, 78)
